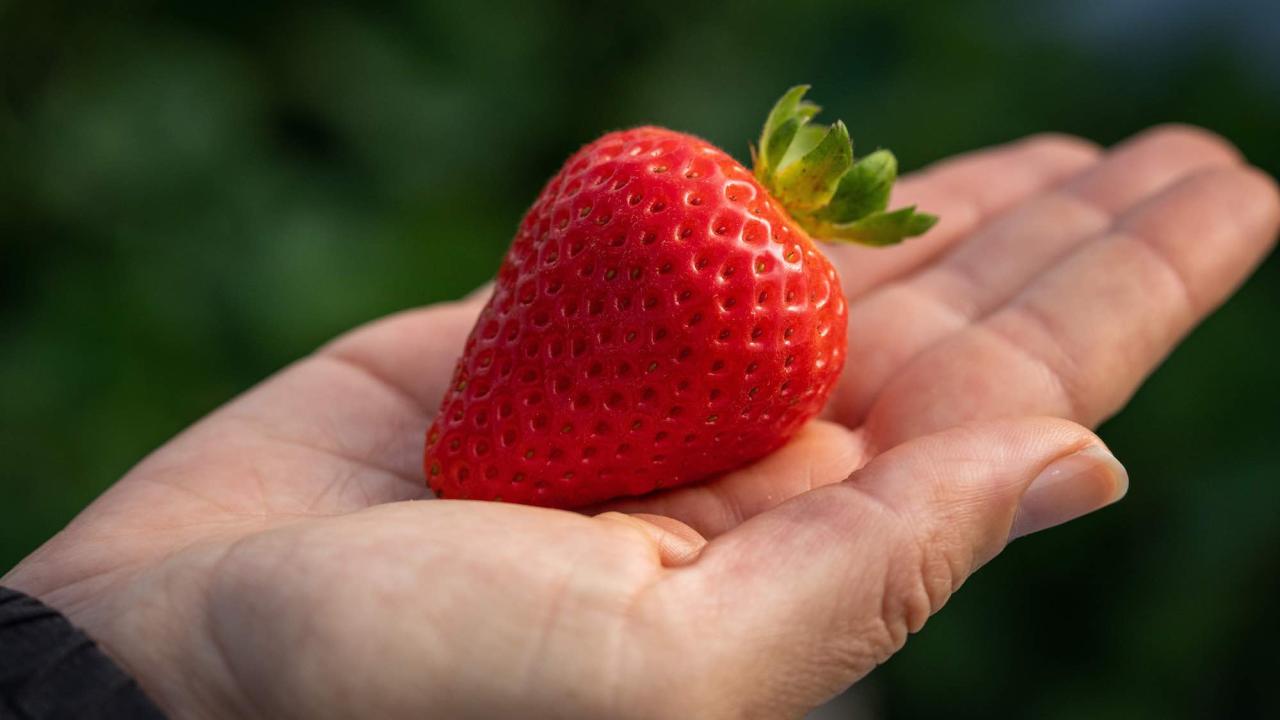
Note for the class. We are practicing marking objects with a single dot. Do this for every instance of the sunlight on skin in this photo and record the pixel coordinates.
(275, 560)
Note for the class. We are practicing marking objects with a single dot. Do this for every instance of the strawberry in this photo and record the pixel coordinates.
(663, 314)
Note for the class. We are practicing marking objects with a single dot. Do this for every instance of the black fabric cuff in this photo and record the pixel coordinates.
(50, 669)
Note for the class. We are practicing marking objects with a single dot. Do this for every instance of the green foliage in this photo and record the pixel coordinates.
(863, 190)
(811, 170)
(810, 181)
(192, 195)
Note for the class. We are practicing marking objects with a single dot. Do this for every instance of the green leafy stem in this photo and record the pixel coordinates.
(811, 170)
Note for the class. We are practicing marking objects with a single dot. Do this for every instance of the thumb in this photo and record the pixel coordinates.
(829, 584)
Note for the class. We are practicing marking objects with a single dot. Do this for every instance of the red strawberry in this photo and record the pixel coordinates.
(662, 315)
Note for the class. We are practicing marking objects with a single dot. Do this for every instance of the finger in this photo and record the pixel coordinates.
(830, 584)
(1078, 341)
(900, 320)
(821, 453)
(675, 543)
(964, 192)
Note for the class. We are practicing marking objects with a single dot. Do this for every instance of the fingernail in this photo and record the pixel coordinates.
(1070, 487)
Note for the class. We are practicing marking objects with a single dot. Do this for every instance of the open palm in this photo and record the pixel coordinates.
(271, 560)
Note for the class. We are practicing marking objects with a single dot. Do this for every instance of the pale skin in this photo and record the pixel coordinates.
(275, 560)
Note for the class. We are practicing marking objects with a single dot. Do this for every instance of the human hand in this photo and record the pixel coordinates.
(268, 562)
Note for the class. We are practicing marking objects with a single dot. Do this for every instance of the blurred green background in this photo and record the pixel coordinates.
(193, 195)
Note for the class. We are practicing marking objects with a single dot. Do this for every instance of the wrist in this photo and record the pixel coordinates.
(151, 622)
(51, 669)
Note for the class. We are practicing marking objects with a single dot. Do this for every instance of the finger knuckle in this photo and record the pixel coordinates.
(1064, 145)
(1186, 138)
(923, 575)
(1267, 188)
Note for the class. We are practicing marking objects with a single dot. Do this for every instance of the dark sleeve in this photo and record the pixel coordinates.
(49, 669)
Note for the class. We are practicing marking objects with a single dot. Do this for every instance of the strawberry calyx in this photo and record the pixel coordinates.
(812, 171)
